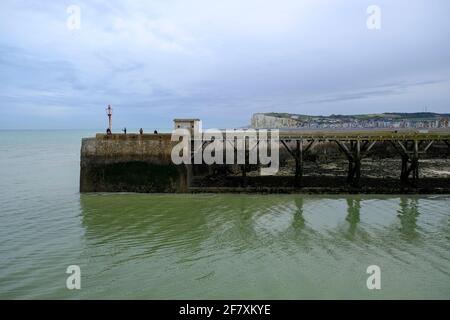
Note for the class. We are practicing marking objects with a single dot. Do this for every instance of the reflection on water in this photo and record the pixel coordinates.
(207, 246)
(299, 220)
(353, 210)
(408, 214)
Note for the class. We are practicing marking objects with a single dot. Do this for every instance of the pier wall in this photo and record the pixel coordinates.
(142, 163)
(130, 163)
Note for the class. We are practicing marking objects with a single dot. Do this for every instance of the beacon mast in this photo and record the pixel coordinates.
(109, 113)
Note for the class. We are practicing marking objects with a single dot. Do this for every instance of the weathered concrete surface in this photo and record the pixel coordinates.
(130, 163)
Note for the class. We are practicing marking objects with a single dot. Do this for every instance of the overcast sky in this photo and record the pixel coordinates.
(220, 61)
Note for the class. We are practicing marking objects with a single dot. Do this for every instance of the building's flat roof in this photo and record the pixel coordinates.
(186, 120)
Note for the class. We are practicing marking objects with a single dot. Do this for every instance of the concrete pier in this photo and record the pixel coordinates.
(142, 163)
(130, 163)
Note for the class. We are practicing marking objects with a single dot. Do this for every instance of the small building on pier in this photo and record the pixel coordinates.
(191, 124)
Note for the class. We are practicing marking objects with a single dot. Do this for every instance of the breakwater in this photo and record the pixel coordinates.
(130, 163)
(142, 163)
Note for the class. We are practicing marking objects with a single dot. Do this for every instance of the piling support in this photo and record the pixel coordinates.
(357, 160)
(410, 160)
(415, 161)
(244, 166)
(403, 173)
(299, 160)
(354, 160)
(297, 154)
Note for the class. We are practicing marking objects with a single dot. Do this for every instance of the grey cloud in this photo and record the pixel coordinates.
(158, 60)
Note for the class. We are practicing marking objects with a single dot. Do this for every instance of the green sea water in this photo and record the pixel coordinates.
(221, 246)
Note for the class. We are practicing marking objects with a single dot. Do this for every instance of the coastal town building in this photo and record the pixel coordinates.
(386, 120)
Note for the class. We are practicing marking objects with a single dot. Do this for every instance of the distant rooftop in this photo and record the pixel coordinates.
(185, 120)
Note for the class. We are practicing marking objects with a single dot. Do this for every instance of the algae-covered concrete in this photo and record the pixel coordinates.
(130, 163)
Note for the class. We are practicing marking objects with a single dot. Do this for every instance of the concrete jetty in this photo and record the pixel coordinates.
(130, 163)
(142, 163)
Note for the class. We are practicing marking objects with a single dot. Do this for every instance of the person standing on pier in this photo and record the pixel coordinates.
(141, 131)
(124, 130)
